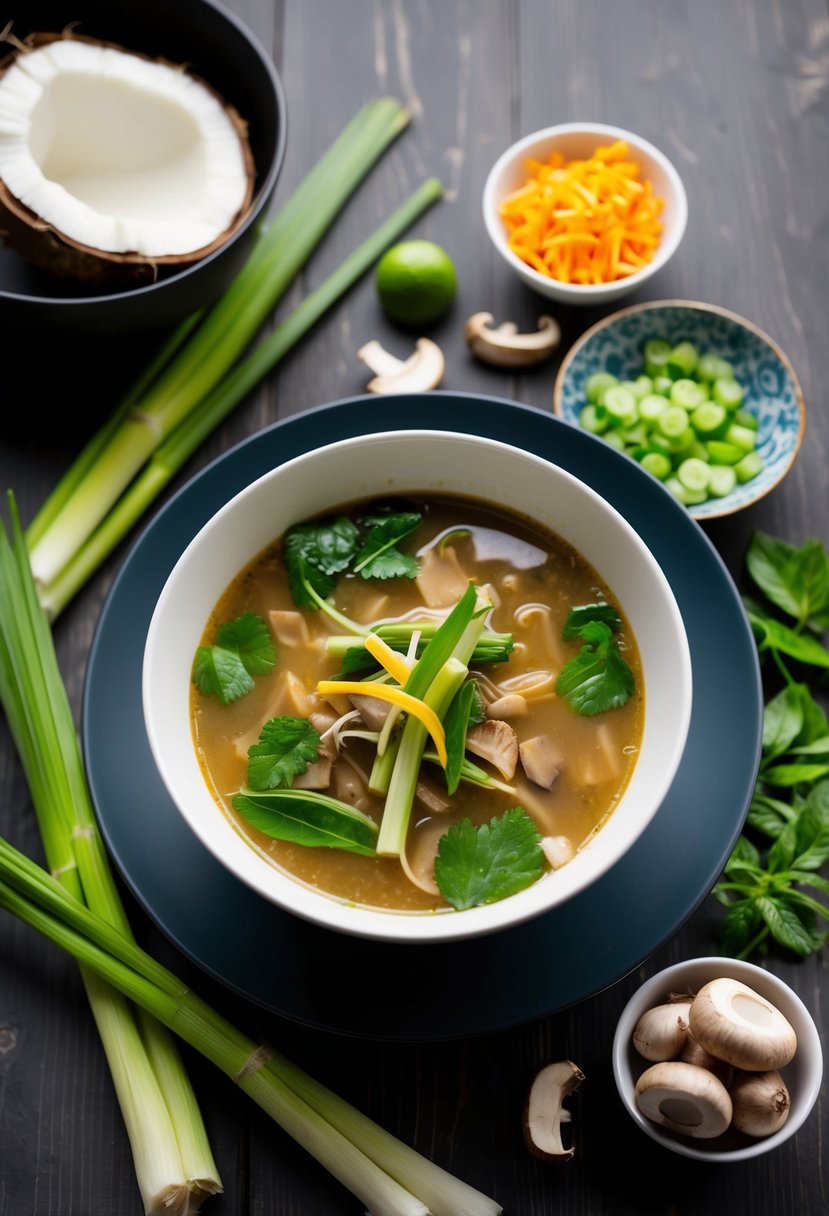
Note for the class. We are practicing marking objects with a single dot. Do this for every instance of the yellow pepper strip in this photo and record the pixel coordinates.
(388, 692)
(394, 663)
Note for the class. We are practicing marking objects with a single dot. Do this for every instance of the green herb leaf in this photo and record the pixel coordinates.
(250, 637)
(455, 725)
(786, 925)
(744, 855)
(795, 580)
(315, 553)
(789, 775)
(598, 678)
(308, 818)
(740, 925)
(812, 830)
(782, 720)
(769, 815)
(482, 865)
(379, 557)
(285, 749)
(245, 648)
(771, 634)
(577, 618)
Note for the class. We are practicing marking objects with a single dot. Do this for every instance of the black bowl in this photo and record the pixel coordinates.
(217, 47)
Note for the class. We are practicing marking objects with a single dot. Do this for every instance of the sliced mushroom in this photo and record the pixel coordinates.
(685, 1099)
(421, 371)
(373, 711)
(317, 776)
(441, 579)
(541, 759)
(505, 346)
(511, 705)
(289, 627)
(430, 797)
(496, 742)
(544, 1114)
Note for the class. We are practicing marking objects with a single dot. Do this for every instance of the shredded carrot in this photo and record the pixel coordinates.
(395, 664)
(584, 221)
(404, 700)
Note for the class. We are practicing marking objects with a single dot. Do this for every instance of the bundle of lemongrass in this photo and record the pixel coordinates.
(199, 375)
(196, 379)
(77, 907)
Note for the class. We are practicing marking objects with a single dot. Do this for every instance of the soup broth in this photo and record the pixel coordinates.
(533, 580)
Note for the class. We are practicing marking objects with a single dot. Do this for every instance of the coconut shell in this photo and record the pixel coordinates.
(45, 246)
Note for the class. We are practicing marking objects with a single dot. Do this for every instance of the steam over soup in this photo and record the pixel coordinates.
(418, 705)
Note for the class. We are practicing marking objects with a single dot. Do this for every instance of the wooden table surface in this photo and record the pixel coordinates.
(737, 96)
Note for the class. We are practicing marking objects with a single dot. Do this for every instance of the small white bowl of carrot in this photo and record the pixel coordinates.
(583, 212)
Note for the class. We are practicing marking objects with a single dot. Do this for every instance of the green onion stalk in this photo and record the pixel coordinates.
(388, 1176)
(197, 357)
(174, 1165)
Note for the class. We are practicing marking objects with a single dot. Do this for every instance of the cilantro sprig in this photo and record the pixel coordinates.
(598, 678)
(481, 865)
(316, 553)
(286, 747)
(244, 648)
(771, 885)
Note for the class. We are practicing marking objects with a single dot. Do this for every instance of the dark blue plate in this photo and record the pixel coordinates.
(457, 988)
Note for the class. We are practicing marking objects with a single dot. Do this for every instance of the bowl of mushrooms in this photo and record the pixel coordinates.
(717, 1059)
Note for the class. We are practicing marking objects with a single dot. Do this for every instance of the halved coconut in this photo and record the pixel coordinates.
(113, 165)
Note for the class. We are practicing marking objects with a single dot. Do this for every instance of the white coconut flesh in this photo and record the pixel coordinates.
(119, 153)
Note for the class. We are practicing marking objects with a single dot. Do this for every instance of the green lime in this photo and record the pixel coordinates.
(416, 282)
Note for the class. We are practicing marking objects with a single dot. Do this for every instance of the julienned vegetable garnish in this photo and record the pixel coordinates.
(173, 1163)
(442, 757)
(196, 379)
(769, 878)
(584, 221)
(681, 419)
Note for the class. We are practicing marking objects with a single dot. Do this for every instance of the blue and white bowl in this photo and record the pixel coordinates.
(773, 392)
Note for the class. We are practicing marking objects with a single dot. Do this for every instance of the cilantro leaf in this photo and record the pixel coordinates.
(598, 678)
(477, 866)
(245, 648)
(315, 553)
(285, 749)
(221, 673)
(578, 617)
(250, 637)
(308, 818)
(379, 556)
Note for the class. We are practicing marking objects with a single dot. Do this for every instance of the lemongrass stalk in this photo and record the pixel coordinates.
(69, 483)
(32, 894)
(395, 823)
(227, 330)
(237, 1056)
(152, 1087)
(187, 437)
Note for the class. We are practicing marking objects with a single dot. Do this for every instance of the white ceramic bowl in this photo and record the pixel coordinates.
(579, 140)
(802, 1076)
(398, 463)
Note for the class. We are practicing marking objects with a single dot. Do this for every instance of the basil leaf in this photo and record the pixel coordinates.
(788, 775)
(769, 815)
(379, 556)
(308, 818)
(772, 635)
(285, 749)
(577, 618)
(743, 855)
(740, 924)
(795, 580)
(782, 721)
(477, 866)
(250, 637)
(221, 673)
(786, 925)
(812, 830)
(782, 852)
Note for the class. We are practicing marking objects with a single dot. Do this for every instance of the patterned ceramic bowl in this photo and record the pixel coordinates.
(773, 392)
